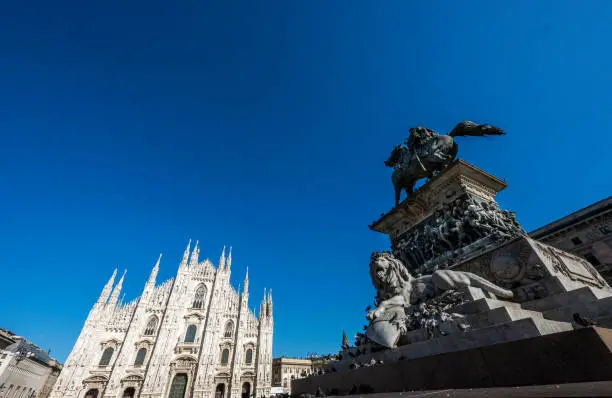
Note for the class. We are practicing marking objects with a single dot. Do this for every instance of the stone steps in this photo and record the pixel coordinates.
(499, 333)
(480, 314)
(481, 305)
(490, 318)
(582, 295)
(598, 309)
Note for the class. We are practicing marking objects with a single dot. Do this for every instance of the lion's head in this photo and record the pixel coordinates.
(388, 274)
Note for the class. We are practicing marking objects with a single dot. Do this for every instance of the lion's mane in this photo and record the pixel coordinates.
(396, 274)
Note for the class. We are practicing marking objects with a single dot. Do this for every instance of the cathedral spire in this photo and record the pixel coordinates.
(107, 289)
(154, 271)
(345, 342)
(269, 303)
(246, 282)
(222, 259)
(229, 259)
(194, 255)
(262, 306)
(115, 295)
(186, 254)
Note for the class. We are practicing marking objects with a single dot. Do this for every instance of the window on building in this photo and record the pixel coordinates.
(576, 240)
(606, 229)
(249, 357)
(220, 391)
(140, 357)
(229, 329)
(190, 334)
(106, 356)
(200, 297)
(151, 326)
(178, 386)
(285, 382)
(592, 259)
(225, 356)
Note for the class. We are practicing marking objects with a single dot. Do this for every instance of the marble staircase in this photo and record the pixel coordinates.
(486, 320)
(491, 321)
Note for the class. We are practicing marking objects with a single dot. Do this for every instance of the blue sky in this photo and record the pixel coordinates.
(129, 127)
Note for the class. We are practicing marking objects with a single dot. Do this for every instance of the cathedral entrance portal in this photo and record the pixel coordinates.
(129, 392)
(220, 391)
(178, 387)
(246, 390)
(93, 393)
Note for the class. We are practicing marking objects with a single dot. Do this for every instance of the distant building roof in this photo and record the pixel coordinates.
(26, 346)
(295, 361)
(573, 218)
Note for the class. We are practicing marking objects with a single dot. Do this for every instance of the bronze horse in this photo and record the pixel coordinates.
(427, 153)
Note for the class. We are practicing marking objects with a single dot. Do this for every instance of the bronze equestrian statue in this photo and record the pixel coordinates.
(426, 153)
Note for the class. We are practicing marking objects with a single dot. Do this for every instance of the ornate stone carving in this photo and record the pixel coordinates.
(572, 267)
(398, 291)
(454, 230)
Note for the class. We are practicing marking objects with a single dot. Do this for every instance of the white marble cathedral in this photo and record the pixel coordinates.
(191, 336)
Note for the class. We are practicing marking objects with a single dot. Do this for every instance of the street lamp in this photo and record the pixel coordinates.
(22, 354)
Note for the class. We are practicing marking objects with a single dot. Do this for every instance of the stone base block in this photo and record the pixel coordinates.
(590, 389)
(421, 346)
(574, 356)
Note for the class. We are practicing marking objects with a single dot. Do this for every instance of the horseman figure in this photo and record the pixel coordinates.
(426, 153)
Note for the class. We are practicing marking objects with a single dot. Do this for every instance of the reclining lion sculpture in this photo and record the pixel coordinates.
(397, 290)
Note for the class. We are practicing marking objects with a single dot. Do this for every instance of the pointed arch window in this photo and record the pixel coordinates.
(106, 356)
(190, 334)
(225, 356)
(140, 357)
(151, 326)
(200, 297)
(249, 356)
(229, 329)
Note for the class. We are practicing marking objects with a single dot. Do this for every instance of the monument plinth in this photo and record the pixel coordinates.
(460, 179)
(451, 218)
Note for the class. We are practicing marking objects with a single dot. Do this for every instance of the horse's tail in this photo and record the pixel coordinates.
(488, 286)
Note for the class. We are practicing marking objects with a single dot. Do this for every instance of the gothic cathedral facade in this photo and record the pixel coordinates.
(191, 336)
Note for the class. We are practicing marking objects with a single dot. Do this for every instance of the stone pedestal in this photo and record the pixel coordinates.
(533, 270)
(582, 355)
(449, 219)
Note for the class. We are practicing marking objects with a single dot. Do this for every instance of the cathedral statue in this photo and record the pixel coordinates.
(397, 291)
(345, 342)
(426, 152)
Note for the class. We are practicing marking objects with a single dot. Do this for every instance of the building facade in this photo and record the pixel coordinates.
(586, 233)
(190, 336)
(284, 370)
(26, 370)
